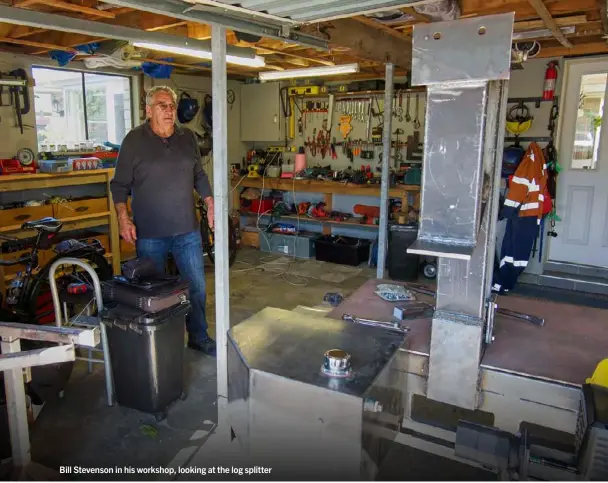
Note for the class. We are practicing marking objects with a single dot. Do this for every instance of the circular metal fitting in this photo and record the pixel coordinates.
(336, 363)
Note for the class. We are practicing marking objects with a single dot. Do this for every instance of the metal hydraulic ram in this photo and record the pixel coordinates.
(465, 65)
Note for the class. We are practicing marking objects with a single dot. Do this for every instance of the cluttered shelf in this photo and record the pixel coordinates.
(26, 181)
(307, 219)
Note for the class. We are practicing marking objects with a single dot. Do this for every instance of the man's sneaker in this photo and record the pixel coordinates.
(206, 347)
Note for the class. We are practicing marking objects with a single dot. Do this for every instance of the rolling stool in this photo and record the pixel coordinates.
(86, 321)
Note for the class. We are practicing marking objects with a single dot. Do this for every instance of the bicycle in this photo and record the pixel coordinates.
(28, 297)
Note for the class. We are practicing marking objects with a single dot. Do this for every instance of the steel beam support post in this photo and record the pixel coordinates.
(386, 156)
(221, 209)
(465, 65)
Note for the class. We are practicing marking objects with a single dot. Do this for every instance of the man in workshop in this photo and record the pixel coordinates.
(159, 165)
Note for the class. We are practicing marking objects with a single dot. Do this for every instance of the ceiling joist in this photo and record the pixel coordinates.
(546, 17)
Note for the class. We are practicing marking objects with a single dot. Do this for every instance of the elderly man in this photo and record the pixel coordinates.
(159, 166)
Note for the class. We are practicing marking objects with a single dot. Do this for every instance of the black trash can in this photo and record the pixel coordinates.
(147, 356)
(402, 265)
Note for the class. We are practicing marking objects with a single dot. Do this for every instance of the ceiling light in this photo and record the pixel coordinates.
(310, 72)
(257, 61)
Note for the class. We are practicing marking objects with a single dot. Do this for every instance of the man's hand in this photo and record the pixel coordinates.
(127, 229)
(210, 213)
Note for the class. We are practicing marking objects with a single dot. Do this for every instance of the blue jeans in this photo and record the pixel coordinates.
(187, 251)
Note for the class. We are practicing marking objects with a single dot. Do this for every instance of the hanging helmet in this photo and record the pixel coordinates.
(187, 108)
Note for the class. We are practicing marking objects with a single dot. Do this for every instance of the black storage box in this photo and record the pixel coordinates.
(147, 356)
(342, 249)
(402, 265)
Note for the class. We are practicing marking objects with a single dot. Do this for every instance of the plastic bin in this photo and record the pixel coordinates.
(342, 249)
(402, 265)
(55, 165)
(147, 356)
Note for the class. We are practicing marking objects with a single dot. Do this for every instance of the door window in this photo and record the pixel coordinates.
(589, 121)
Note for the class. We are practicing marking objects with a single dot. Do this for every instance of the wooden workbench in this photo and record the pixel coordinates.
(93, 214)
(568, 348)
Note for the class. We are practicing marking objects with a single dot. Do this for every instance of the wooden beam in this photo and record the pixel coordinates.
(581, 48)
(199, 31)
(72, 7)
(560, 21)
(20, 31)
(37, 357)
(603, 7)
(523, 10)
(370, 22)
(167, 26)
(547, 18)
(42, 45)
(420, 17)
(265, 51)
(368, 43)
(24, 3)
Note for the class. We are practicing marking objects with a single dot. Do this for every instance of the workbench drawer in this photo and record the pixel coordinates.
(70, 209)
(17, 216)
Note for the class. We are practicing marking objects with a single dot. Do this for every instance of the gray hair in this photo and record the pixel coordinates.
(154, 90)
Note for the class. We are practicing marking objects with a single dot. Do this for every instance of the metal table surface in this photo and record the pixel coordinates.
(568, 348)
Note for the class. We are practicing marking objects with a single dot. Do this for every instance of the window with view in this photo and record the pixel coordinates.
(76, 110)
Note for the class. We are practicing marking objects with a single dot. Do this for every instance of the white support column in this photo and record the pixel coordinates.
(220, 190)
(16, 409)
(386, 156)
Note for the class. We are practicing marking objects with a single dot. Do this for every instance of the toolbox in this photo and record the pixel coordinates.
(150, 298)
(300, 245)
(342, 249)
(147, 356)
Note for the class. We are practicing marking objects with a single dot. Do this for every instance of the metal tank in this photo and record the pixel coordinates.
(313, 397)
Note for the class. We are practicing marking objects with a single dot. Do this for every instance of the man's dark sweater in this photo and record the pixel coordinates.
(161, 176)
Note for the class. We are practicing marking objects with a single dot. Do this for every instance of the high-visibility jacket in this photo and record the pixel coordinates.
(527, 187)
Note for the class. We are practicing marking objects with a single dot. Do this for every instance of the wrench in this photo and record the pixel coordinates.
(416, 121)
(396, 326)
(408, 118)
(400, 110)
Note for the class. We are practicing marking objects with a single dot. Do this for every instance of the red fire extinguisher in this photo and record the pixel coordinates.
(550, 81)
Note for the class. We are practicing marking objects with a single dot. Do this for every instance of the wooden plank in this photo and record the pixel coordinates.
(114, 233)
(314, 186)
(380, 26)
(523, 10)
(20, 182)
(560, 21)
(264, 50)
(37, 357)
(17, 411)
(47, 333)
(72, 7)
(588, 48)
(42, 45)
(547, 18)
(24, 3)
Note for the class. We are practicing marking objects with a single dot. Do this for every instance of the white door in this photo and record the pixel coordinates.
(582, 186)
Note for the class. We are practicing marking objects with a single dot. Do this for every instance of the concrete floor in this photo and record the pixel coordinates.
(80, 430)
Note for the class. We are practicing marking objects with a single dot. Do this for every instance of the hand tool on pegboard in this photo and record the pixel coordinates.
(16, 92)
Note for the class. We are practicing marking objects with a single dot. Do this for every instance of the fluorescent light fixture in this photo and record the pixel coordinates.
(310, 72)
(257, 61)
(536, 34)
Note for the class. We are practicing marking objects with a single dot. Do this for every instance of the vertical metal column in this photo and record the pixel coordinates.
(386, 156)
(465, 65)
(220, 190)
